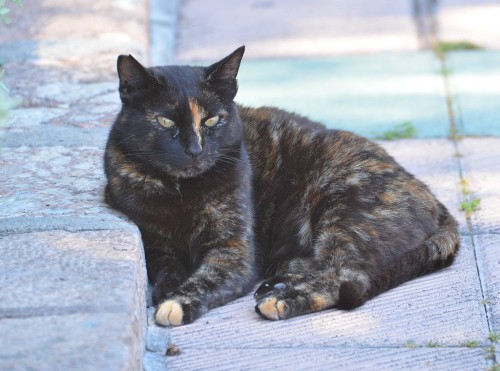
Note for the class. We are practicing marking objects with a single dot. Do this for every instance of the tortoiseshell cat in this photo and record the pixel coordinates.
(225, 195)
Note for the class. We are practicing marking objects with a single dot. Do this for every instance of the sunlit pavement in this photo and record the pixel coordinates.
(358, 66)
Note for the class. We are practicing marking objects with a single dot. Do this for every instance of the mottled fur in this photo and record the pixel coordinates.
(327, 217)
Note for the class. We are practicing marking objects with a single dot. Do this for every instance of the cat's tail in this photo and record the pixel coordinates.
(436, 252)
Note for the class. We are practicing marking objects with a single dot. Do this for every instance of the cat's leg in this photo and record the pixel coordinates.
(288, 273)
(334, 276)
(344, 289)
(165, 272)
(225, 273)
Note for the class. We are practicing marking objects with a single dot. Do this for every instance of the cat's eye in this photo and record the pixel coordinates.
(163, 121)
(212, 121)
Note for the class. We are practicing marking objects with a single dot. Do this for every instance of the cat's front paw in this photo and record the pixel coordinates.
(272, 308)
(276, 285)
(177, 311)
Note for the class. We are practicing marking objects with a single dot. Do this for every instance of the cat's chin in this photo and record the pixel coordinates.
(188, 172)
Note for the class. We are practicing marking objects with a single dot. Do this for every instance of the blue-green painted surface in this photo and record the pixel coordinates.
(368, 94)
(475, 84)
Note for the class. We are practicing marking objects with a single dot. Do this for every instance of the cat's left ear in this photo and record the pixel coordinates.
(222, 75)
(134, 78)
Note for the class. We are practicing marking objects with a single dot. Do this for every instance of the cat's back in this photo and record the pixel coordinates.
(281, 141)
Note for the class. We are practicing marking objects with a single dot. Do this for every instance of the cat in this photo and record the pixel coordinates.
(226, 195)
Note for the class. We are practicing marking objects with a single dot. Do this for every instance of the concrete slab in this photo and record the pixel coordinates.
(445, 307)
(369, 94)
(330, 358)
(72, 300)
(475, 21)
(482, 171)
(475, 84)
(294, 28)
(488, 258)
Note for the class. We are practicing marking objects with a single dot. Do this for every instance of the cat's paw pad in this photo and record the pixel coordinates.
(272, 308)
(169, 313)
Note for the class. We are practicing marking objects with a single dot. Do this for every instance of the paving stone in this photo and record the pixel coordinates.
(294, 28)
(55, 136)
(74, 272)
(73, 276)
(369, 95)
(53, 181)
(75, 115)
(72, 300)
(329, 358)
(475, 85)
(482, 171)
(79, 341)
(470, 20)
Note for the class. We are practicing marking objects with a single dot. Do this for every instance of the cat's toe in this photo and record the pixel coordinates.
(169, 313)
(272, 308)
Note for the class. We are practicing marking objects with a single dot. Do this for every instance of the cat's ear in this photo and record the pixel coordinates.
(134, 78)
(222, 75)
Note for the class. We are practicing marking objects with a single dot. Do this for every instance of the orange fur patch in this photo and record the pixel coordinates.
(319, 302)
(268, 309)
(237, 244)
(197, 113)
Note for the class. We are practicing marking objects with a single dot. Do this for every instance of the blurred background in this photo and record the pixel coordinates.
(381, 68)
(321, 28)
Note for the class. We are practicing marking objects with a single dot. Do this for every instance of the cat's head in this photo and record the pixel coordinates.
(179, 120)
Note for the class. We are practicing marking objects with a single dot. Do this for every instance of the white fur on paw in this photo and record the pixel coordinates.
(169, 313)
(272, 309)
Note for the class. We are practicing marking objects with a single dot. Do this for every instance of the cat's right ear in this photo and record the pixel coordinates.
(222, 75)
(134, 78)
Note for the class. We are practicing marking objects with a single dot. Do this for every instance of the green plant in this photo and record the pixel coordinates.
(4, 10)
(490, 352)
(433, 344)
(410, 344)
(470, 344)
(471, 205)
(494, 337)
(446, 71)
(402, 131)
(452, 46)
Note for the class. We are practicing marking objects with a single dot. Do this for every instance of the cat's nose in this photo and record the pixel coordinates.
(194, 150)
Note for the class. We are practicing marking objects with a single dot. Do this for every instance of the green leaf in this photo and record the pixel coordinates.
(5, 19)
(402, 131)
(4, 11)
